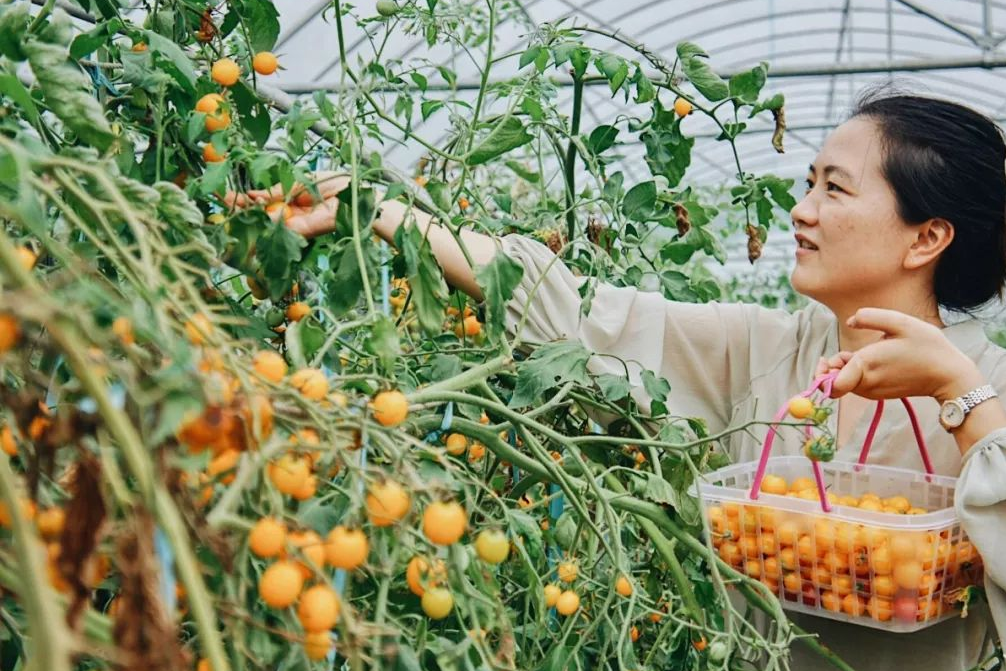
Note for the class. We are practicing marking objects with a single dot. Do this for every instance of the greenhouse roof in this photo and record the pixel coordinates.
(820, 54)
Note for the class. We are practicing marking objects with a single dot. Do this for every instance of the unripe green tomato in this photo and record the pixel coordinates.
(821, 448)
(717, 652)
(387, 8)
(565, 531)
(139, 98)
(274, 317)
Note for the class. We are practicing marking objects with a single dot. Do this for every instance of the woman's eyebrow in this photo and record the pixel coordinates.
(829, 169)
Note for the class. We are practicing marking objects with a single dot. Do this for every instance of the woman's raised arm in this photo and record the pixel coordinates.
(314, 219)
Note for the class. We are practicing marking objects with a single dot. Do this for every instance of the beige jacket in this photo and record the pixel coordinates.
(731, 363)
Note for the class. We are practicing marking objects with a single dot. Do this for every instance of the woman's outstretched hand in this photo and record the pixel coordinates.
(914, 358)
(309, 217)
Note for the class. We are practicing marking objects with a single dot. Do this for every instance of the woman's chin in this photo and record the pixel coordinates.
(802, 284)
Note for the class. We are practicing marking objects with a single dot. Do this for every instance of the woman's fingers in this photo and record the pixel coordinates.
(848, 378)
(836, 361)
(233, 199)
(330, 183)
(317, 221)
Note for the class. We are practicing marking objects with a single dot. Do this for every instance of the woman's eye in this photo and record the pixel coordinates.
(810, 185)
(834, 187)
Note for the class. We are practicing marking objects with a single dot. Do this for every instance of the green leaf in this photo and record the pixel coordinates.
(263, 24)
(86, 43)
(686, 506)
(449, 75)
(763, 209)
(527, 527)
(530, 56)
(676, 287)
(613, 387)
(700, 73)
(656, 387)
(428, 107)
(614, 68)
(383, 343)
(612, 189)
(444, 366)
(746, 86)
(419, 80)
(779, 190)
(278, 253)
(602, 138)
(731, 130)
(658, 490)
(774, 103)
(523, 172)
(533, 108)
(440, 193)
(176, 207)
(561, 52)
(677, 252)
(252, 112)
(497, 280)
(426, 282)
(707, 242)
(645, 91)
(565, 529)
(138, 69)
(345, 285)
(214, 177)
(12, 87)
(550, 365)
(668, 152)
(178, 64)
(344, 212)
(68, 93)
(506, 136)
(639, 201)
(311, 336)
(579, 58)
(541, 62)
(13, 29)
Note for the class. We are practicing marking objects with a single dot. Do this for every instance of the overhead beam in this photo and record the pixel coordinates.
(975, 38)
(986, 63)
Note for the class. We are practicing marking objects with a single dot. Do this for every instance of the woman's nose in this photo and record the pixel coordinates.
(805, 212)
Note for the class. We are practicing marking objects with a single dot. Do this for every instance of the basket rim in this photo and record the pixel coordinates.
(938, 518)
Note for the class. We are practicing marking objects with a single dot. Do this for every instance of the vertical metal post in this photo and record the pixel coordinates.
(890, 38)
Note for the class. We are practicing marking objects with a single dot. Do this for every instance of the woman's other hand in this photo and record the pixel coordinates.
(913, 358)
(306, 215)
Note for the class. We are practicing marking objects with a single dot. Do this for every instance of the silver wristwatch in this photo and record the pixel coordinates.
(953, 412)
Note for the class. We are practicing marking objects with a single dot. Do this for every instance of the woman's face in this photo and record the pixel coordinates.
(849, 214)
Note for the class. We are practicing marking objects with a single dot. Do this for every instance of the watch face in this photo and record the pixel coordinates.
(952, 414)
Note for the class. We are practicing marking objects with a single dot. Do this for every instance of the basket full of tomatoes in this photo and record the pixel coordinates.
(862, 543)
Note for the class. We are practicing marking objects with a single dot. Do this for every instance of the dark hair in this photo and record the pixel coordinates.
(944, 160)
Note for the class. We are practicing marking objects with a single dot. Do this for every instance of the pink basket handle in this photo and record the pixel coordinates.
(824, 383)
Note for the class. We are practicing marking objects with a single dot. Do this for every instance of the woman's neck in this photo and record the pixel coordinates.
(851, 339)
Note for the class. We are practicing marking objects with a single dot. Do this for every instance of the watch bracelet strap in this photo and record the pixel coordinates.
(976, 396)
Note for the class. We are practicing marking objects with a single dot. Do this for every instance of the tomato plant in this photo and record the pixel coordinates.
(249, 449)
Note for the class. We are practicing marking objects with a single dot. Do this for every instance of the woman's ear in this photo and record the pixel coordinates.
(931, 238)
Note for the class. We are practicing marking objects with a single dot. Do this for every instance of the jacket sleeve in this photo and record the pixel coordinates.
(980, 501)
(707, 352)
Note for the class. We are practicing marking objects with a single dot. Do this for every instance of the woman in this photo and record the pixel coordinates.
(904, 213)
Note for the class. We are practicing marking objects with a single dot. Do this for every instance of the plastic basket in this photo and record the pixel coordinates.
(823, 556)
